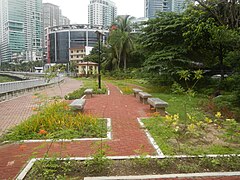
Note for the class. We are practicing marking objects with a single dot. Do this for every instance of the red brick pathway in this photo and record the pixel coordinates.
(127, 135)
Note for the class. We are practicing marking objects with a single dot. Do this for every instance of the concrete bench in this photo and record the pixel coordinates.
(78, 104)
(144, 96)
(136, 91)
(88, 93)
(158, 104)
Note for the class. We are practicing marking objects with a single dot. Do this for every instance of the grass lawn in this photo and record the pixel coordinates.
(4, 79)
(210, 140)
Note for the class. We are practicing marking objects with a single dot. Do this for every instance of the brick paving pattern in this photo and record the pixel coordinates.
(127, 134)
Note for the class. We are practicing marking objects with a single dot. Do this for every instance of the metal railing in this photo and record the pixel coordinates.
(26, 84)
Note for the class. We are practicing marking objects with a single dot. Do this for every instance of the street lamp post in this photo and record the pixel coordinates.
(99, 35)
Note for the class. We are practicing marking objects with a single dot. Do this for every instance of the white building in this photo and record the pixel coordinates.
(101, 12)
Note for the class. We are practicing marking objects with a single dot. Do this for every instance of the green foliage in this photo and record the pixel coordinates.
(50, 168)
(54, 71)
(121, 42)
(77, 94)
(4, 79)
(177, 88)
(57, 121)
(99, 161)
(232, 130)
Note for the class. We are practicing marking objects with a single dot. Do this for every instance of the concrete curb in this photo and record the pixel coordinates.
(166, 176)
(151, 139)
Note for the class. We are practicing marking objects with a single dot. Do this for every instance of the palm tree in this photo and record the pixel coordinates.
(121, 39)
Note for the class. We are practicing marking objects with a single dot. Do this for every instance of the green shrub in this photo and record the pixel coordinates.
(77, 94)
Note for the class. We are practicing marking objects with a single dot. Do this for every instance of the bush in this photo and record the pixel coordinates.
(77, 94)
(80, 92)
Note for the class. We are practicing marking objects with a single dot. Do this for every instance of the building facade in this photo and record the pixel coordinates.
(151, 7)
(71, 42)
(101, 12)
(21, 29)
(52, 16)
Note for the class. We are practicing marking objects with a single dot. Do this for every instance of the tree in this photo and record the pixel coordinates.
(225, 12)
(121, 40)
(163, 42)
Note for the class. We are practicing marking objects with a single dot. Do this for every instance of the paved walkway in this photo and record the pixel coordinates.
(122, 109)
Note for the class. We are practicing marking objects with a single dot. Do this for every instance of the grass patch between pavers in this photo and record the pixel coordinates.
(57, 120)
(54, 168)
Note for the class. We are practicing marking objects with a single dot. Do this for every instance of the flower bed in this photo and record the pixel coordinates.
(57, 121)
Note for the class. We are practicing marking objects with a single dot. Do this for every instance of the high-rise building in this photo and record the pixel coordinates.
(151, 7)
(101, 12)
(33, 29)
(65, 20)
(21, 29)
(52, 16)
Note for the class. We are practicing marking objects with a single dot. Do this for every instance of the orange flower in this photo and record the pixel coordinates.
(66, 107)
(42, 132)
(34, 109)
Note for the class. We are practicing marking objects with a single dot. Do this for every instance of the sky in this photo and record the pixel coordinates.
(77, 10)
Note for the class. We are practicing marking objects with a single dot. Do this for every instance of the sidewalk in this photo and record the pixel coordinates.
(122, 109)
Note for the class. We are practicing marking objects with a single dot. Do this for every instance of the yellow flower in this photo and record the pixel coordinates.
(191, 128)
(168, 117)
(208, 120)
(174, 123)
(218, 115)
(176, 117)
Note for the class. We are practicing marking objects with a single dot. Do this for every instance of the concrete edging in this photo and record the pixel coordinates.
(150, 138)
(189, 175)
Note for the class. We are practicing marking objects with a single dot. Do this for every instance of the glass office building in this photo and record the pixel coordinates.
(20, 29)
(63, 38)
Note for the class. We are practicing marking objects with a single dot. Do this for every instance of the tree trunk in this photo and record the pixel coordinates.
(220, 57)
(124, 56)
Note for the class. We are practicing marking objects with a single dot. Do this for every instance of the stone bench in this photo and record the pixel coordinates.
(158, 104)
(88, 93)
(136, 91)
(144, 97)
(78, 104)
